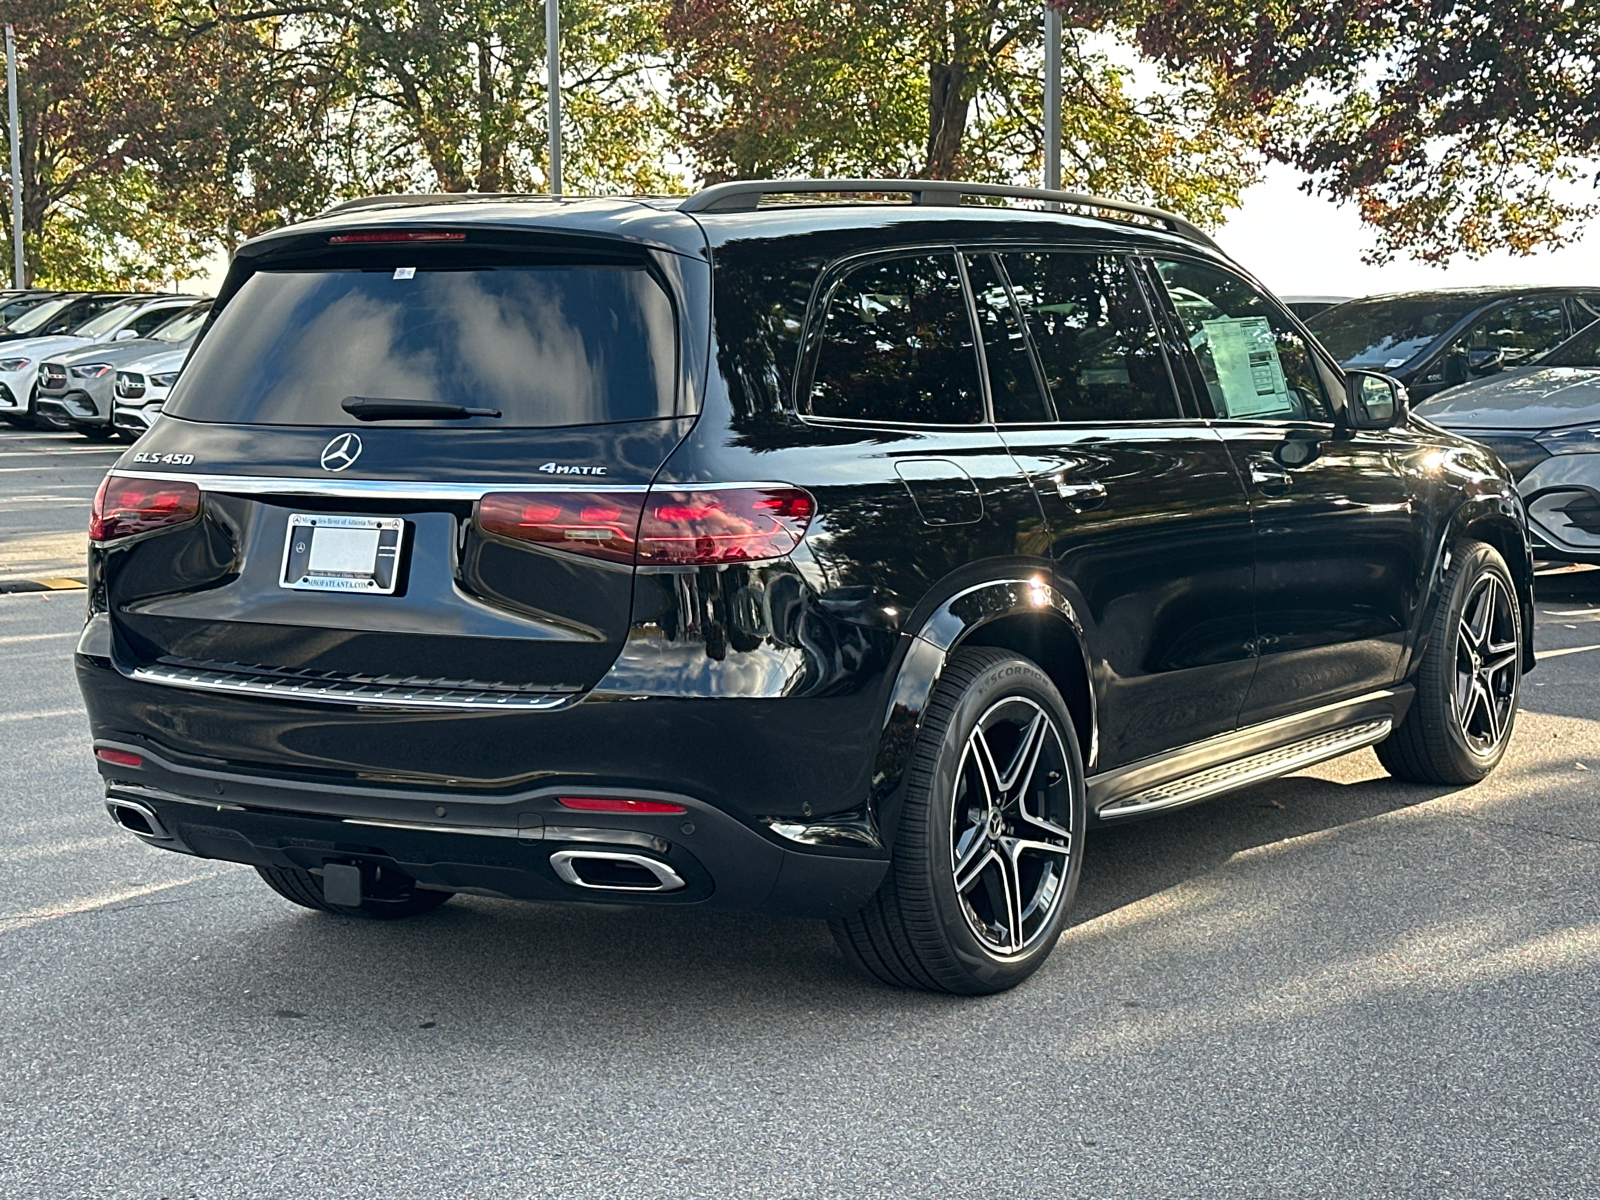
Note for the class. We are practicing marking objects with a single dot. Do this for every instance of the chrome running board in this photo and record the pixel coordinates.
(1247, 756)
(1243, 772)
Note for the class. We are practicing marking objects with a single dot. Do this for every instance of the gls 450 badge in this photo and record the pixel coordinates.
(551, 468)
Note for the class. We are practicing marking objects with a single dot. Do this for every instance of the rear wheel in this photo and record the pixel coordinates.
(990, 839)
(1461, 720)
(390, 897)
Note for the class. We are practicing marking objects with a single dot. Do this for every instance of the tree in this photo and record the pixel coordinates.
(1455, 126)
(137, 147)
(939, 89)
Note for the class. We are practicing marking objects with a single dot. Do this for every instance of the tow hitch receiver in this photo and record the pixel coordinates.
(341, 885)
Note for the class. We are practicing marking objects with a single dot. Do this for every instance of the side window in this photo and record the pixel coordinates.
(1255, 364)
(1514, 335)
(154, 319)
(1013, 383)
(896, 345)
(1584, 309)
(1096, 344)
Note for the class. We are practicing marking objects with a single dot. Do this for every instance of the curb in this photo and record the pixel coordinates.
(54, 584)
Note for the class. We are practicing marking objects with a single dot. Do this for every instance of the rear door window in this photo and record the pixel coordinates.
(896, 345)
(1094, 336)
(543, 345)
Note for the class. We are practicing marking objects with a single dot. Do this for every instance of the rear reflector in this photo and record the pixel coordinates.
(120, 758)
(605, 804)
(395, 235)
(723, 525)
(597, 524)
(124, 506)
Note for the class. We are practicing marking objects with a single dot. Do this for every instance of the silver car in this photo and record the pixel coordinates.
(1543, 422)
(142, 388)
(75, 382)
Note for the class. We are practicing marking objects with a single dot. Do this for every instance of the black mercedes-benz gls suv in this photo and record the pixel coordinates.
(831, 548)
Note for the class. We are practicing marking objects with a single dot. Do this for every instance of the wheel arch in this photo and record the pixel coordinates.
(1025, 615)
(1499, 521)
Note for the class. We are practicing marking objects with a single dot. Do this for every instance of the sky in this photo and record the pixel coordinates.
(1300, 245)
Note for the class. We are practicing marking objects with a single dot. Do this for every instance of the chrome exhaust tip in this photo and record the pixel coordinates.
(138, 819)
(614, 871)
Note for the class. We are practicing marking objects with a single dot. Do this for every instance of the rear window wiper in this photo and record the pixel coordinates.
(379, 408)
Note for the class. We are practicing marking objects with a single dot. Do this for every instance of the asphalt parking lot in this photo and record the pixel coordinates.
(1330, 985)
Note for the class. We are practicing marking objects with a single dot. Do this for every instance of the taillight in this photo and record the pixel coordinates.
(125, 506)
(598, 524)
(120, 758)
(611, 805)
(666, 527)
(722, 525)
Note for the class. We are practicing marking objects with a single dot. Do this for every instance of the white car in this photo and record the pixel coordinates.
(142, 388)
(1543, 422)
(21, 359)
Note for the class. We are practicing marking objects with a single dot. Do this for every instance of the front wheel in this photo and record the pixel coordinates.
(1460, 722)
(989, 845)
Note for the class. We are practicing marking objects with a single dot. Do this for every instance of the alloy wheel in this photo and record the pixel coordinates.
(1487, 655)
(1011, 842)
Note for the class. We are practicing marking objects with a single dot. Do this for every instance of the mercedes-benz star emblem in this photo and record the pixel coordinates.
(341, 452)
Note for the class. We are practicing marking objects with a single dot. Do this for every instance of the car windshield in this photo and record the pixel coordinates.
(1386, 331)
(104, 322)
(13, 309)
(1582, 349)
(183, 326)
(536, 345)
(39, 314)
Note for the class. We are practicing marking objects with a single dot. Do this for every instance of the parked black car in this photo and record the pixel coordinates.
(845, 559)
(1434, 340)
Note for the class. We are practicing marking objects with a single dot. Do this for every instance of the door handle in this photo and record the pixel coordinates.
(1267, 475)
(1081, 497)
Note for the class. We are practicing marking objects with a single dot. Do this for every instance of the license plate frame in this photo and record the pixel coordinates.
(358, 555)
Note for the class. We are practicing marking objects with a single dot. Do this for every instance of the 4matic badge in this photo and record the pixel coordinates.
(551, 468)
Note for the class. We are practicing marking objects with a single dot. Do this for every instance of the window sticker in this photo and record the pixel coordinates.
(405, 272)
(1244, 355)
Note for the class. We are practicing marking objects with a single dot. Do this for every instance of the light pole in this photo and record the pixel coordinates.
(552, 70)
(1052, 96)
(20, 267)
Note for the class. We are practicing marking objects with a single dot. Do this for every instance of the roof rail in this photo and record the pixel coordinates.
(745, 195)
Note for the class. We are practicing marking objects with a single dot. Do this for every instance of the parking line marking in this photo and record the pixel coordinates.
(1543, 654)
(32, 637)
(43, 714)
(38, 916)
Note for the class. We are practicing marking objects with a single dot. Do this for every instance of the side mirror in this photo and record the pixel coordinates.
(1373, 400)
(1486, 362)
(125, 335)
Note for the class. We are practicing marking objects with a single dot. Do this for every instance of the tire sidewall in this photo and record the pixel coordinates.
(1011, 677)
(1477, 561)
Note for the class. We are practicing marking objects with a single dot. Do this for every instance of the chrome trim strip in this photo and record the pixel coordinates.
(667, 880)
(403, 489)
(321, 691)
(1255, 768)
(115, 791)
(529, 835)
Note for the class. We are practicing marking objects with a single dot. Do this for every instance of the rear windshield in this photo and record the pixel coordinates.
(1387, 331)
(542, 345)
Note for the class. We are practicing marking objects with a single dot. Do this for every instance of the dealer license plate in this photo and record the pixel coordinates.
(342, 554)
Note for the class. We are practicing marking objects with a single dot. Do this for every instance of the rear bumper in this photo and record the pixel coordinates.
(490, 841)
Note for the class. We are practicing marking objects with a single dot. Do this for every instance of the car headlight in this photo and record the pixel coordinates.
(164, 381)
(15, 364)
(90, 370)
(1579, 439)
